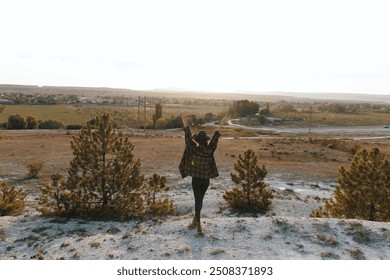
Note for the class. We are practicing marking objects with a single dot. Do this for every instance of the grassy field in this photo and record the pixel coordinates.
(68, 114)
(126, 116)
(332, 119)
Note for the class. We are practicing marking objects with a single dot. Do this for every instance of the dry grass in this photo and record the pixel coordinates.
(333, 119)
(3, 235)
(216, 251)
(68, 114)
(296, 157)
(161, 152)
(329, 256)
(123, 116)
(94, 244)
(356, 254)
(327, 240)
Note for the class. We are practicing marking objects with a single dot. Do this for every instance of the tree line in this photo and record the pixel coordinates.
(18, 121)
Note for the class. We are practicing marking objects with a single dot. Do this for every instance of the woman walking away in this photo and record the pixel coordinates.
(199, 163)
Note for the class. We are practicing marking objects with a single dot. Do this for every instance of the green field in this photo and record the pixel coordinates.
(68, 114)
(124, 116)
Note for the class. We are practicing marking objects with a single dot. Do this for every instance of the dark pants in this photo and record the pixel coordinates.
(199, 187)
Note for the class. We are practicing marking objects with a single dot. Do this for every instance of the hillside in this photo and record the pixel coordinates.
(301, 173)
(286, 233)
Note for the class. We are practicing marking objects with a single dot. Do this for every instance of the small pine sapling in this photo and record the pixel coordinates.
(363, 191)
(11, 200)
(157, 206)
(253, 194)
(54, 199)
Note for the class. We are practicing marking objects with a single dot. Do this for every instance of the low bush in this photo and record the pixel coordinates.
(34, 168)
(51, 124)
(73, 127)
(31, 122)
(11, 200)
(16, 122)
(156, 206)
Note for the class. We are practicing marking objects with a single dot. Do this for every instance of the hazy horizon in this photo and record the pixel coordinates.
(281, 46)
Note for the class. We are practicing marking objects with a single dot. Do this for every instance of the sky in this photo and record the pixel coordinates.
(242, 45)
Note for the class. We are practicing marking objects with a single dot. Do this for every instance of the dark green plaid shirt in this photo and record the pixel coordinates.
(198, 160)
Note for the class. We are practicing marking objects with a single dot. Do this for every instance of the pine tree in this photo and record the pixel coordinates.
(363, 191)
(253, 194)
(104, 179)
(157, 206)
(11, 200)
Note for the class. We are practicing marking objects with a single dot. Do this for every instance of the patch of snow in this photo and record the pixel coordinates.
(286, 232)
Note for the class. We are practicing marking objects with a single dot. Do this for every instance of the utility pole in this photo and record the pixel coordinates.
(2, 107)
(310, 118)
(139, 105)
(144, 113)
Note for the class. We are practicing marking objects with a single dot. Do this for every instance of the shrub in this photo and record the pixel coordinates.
(265, 111)
(32, 122)
(363, 191)
(286, 108)
(161, 123)
(16, 122)
(53, 198)
(174, 122)
(154, 205)
(34, 169)
(11, 200)
(243, 108)
(51, 124)
(208, 117)
(73, 127)
(253, 195)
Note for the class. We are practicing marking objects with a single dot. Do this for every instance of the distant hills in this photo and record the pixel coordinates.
(260, 96)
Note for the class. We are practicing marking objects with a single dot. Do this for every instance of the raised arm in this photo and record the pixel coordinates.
(187, 131)
(183, 119)
(224, 119)
(217, 134)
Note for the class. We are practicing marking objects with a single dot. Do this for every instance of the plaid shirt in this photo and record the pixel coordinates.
(198, 160)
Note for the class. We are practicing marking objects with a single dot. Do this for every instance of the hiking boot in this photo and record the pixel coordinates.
(193, 224)
(199, 229)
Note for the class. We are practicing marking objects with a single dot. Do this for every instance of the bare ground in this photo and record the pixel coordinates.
(286, 156)
(302, 170)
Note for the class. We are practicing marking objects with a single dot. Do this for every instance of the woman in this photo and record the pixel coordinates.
(199, 163)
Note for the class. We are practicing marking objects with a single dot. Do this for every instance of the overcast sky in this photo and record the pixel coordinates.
(242, 45)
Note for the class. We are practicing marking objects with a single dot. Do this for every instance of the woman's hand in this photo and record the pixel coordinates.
(183, 119)
(224, 119)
